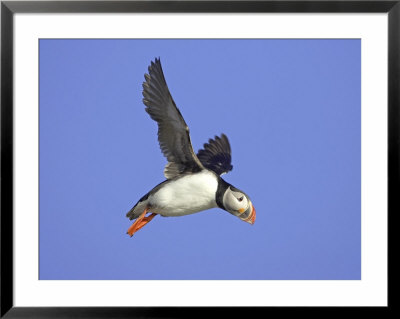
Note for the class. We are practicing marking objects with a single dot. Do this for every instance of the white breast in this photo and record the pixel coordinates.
(189, 194)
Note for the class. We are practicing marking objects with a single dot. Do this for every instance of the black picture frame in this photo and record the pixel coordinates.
(9, 8)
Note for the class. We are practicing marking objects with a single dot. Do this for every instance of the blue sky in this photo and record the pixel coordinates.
(291, 110)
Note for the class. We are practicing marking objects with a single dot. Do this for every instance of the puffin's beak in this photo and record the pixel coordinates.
(253, 215)
(249, 215)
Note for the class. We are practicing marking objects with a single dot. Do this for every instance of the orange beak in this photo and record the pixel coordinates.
(252, 216)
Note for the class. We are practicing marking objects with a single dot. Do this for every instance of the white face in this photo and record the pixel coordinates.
(235, 202)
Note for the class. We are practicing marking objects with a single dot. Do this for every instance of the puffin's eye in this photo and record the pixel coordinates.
(240, 199)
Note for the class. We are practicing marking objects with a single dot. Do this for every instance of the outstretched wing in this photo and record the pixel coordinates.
(216, 155)
(173, 133)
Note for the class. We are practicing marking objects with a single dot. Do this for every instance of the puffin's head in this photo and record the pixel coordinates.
(238, 203)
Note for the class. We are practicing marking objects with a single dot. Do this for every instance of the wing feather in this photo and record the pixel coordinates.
(216, 155)
(173, 132)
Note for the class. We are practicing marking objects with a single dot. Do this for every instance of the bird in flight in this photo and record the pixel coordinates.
(193, 182)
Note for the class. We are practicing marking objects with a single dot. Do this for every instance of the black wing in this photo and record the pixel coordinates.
(173, 133)
(216, 155)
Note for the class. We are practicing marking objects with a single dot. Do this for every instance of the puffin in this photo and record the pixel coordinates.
(193, 181)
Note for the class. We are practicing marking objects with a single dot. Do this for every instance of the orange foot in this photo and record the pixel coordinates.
(140, 222)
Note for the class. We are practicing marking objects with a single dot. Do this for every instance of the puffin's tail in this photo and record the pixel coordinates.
(139, 212)
(138, 209)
